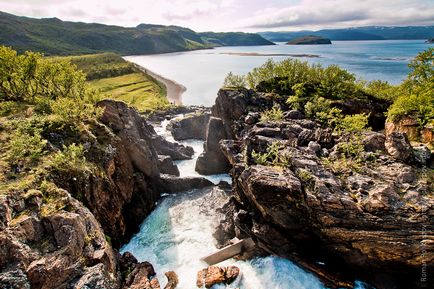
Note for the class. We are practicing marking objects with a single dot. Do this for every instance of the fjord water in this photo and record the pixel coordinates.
(180, 231)
(202, 72)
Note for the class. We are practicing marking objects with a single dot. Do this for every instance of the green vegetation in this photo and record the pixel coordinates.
(47, 114)
(234, 81)
(274, 156)
(416, 98)
(53, 36)
(115, 78)
(273, 114)
(97, 66)
(136, 89)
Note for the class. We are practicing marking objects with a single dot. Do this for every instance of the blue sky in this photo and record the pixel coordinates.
(232, 15)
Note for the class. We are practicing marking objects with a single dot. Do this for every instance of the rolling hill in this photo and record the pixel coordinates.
(53, 36)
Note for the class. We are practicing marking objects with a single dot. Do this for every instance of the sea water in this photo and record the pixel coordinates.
(202, 72)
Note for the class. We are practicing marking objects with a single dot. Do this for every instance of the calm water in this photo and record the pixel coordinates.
(203, 71)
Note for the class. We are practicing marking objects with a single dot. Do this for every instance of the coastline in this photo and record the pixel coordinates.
(174, 90)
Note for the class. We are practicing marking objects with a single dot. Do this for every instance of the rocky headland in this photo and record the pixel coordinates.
(345, 219)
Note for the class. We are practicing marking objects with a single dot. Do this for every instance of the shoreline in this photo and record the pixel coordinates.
(174, 90)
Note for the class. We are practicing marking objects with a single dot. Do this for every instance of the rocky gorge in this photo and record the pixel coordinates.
(342, 219)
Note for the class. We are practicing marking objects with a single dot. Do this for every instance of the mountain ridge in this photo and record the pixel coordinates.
(53, 36)
(357, 33)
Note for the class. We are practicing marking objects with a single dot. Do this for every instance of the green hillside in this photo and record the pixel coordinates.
(53, 36)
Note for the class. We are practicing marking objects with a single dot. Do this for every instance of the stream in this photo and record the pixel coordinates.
(179, 232)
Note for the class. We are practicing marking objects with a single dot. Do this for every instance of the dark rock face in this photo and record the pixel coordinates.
(191, 126)
(167, 166)
(170, 184)
(362, 223)
(212, 160)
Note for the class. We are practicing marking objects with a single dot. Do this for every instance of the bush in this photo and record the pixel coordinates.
(320, 109)
(27, 76)
(273, 156)
(234, 81)
(273, 114)
(71, 158)
(420, 107)
(354, 123)
(27, 148)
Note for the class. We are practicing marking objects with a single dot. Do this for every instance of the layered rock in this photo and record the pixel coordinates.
(190, 126)
(361, 219)
(412, 129)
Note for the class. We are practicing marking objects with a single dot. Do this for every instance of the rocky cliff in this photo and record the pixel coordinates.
(367, 217)
(63, 233)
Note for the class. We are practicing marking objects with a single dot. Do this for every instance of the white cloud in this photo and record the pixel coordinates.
(344, 13)
(231, 15)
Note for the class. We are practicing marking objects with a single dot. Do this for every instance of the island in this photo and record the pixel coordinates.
(431, 40)
(310, 39)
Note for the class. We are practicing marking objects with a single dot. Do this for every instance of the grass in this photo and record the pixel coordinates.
(137, 89)
(121, 80)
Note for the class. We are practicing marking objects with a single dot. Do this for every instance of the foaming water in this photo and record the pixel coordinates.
(179, 232)
(187, 167)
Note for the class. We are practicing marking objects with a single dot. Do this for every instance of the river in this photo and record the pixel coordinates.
(180, 231)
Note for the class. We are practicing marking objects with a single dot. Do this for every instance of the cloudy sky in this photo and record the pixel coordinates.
(232, 15)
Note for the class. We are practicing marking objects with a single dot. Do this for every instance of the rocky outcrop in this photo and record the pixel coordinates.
(412, 129)
(48, 247)
(167, 166)
(360, 219)
(213, 275)
(170, 184)
(212, 160)
(190, 126)
(61, 233)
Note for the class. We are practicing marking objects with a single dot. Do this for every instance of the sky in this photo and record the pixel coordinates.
(232, 15)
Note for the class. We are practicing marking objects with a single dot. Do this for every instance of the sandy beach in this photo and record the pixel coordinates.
(174, 89)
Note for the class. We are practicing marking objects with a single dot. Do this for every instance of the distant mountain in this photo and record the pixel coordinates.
(233, 39)
(358, 33)
(53, 36)
(309, 39)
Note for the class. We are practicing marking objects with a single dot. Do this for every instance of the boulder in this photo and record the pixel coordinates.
(293, 114)
(398, 146)
(167, 166)
(212, 160)
(374, 141)
(172, 280)
(216, 275)
(190, 126)
(171, 184)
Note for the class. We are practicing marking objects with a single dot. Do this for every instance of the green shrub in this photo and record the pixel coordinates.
(234, 81)
(8, 107)
(320, 109)
(353, 123)
(420, 107)
(25, 147)
(273, 114)
(70, 158)
(274, 156)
